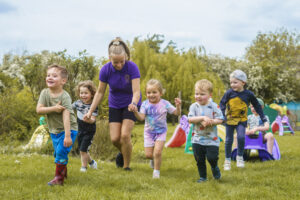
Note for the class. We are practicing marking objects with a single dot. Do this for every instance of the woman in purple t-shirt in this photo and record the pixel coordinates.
(123, 78)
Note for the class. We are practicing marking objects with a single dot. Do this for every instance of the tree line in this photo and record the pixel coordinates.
(271, 62)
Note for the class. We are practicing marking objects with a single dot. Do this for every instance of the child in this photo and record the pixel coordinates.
(55, 102)
(154, 111)
(205, 115)
(255, 125)
(235, 102)
(86, 127)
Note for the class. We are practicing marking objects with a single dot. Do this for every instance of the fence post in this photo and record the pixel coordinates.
(179, 116)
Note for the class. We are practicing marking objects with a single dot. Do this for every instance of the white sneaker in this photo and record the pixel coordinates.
(227, 165)
(151, 163)
(156, 175)
(93, 165)
(83, 169)
(240, 161)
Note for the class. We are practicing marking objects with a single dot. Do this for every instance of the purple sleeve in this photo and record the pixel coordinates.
(134, 70)
(170, 107)
(143, 108)
(103, 75)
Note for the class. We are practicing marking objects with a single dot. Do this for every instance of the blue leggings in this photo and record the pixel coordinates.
(240, 129)
(60, 151)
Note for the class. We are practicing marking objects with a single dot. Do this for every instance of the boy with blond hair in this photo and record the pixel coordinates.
(205, 115)
(55, 102)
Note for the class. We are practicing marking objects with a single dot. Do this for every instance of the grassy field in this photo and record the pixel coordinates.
(25, 176)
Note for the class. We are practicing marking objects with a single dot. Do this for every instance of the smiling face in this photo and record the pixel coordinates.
(54, 79)
(202, 96)
(153, 94)
(118, 61)
(237, 85)
(85, 95)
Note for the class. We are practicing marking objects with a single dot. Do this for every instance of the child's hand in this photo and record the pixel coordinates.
(177, 101)
(59, 108)
(67, 141)
(250, 132)
(206, 121)
(87, 116)
(132, 107)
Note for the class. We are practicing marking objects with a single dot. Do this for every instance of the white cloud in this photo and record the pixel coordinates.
(222, 27)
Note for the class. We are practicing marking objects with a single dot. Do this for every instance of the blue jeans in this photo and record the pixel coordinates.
(240, 129)
(60, 151)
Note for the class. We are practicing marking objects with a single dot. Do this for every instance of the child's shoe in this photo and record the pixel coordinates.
(83, 169)
(156, 174)
(240, 162)
(151, 163)
(93, 164)
(59, 175)
(201, 180)
(227, 165)
(216, 172)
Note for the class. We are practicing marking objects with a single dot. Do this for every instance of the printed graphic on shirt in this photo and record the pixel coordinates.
(236, 111)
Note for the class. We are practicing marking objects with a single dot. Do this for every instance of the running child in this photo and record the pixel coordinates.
(205, 115)
(234, 105)
(86, 127)
(154, 111)
(56, 103)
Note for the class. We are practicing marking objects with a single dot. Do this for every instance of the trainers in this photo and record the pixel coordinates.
(216, 172)
(201, 180)
(127, 169)
(156, 175)
(119, 160)
(151, 163)
(83, 169)
(93, 164)
(240, 162)
(227, 165)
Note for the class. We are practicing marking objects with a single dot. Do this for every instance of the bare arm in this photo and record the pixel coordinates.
(178, 107)
(66, 120)
(265, 127)
(97, 99)
(136, 94)
(42, 109)
(139, 116)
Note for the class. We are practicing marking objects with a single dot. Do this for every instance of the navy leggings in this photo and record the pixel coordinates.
(240, 129)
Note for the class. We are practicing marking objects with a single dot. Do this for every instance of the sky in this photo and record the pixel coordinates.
(224, 27)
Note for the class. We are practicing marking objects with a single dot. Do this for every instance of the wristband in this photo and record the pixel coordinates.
(134, 103)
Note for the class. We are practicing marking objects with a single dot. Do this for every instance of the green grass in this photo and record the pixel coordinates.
(25, 176)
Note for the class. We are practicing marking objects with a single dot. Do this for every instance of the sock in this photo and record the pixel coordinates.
(156, 171)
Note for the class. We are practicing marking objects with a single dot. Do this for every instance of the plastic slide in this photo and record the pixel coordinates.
(178, 138)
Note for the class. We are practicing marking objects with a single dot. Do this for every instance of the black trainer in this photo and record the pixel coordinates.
(119, 160)
(127, 169)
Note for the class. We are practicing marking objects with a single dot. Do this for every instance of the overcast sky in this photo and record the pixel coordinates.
(224, 27)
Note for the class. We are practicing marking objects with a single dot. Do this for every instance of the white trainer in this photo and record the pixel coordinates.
(227, 165)
(240, 162)
(83, 169)
(156, 175)
(93, 165)
(151, 163)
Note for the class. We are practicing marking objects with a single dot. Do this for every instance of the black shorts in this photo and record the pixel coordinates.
(85, 135)
(118, 115)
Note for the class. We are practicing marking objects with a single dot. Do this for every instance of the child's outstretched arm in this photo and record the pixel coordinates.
(178, 106)
(265, 127)
(66, 120)
(138, 115)
(42, 109)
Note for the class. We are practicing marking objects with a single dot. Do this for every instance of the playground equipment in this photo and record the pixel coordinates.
(39, 137)
(281, 123)
(257, 144)
(184, 132)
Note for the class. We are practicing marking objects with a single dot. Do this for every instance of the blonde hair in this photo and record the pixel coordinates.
(89, 85)
(157, 83)
(63, 70)
(204, 84)
(118, 47)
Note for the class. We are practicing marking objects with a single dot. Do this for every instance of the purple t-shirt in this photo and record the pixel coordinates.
(119, 81)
